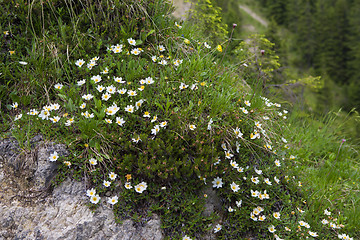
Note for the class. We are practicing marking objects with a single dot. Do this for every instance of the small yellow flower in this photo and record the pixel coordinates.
(11, 52)
(219, 48)
(187, 41)
(65, 114)
(128, 177)
(86, 145)
(203, 84)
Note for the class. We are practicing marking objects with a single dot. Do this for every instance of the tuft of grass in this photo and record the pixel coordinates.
(327, 164)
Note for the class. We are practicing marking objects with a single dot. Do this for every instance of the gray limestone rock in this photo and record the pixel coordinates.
(61, 214)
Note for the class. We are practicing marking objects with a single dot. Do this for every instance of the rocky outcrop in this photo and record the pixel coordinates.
(29, 210)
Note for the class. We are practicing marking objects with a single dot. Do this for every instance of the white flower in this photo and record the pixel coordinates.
(258, 171)
(255, 180)
(149, 80)
(276, 215)
(83, 105)
(112, 176)
(55, 119)
(113, 200)
(217, 228)
(177, 25)
(324, 221)
(91, 192)
(139, 103)
(146, 114)
(87, 96)
(192, 127)
(95, 199)
(207, 45)
(254, 193)
(186, 238)
(244, 110)
(23, 63)
(272, 229)
(53, 157)
(117, 48)
(217, 182)
(91, 64)
(141, 187)
(163, 124)
(81, 82)
(132, 93)
(183, 86)
(87, 114)
(69, 122)
(112, 110)
(313, 234)
(154, 58)
(326, 212)
(122, 91)
(154, 119)
(194, 86)
(17, 117)
(106, 96)
(155, 130)
(118, 80)
(209, 124)
(96, 78)
(135, 51)
(79, 62)
(237, 146)
(105, 71)
(247, 103)
(55, 106)
(334, 226)
(161, 48)
(129, 108)
(33, 112)
(111, 89)
(44, 114)
(277, 163)
(234, 164)
(128, 185)
(234, 187)
(93, 161)
(228, 155)
(276, 180)
(238, 203)
(304, 224)
(131, 41)
(120, 121)
(238, 133)
(267, 181)
(106, 183)
(58, 86)
(230, 209)
(177, 62)
(163, 62)
(136, 140)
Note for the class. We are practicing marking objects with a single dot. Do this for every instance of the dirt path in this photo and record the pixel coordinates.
(254, 15)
